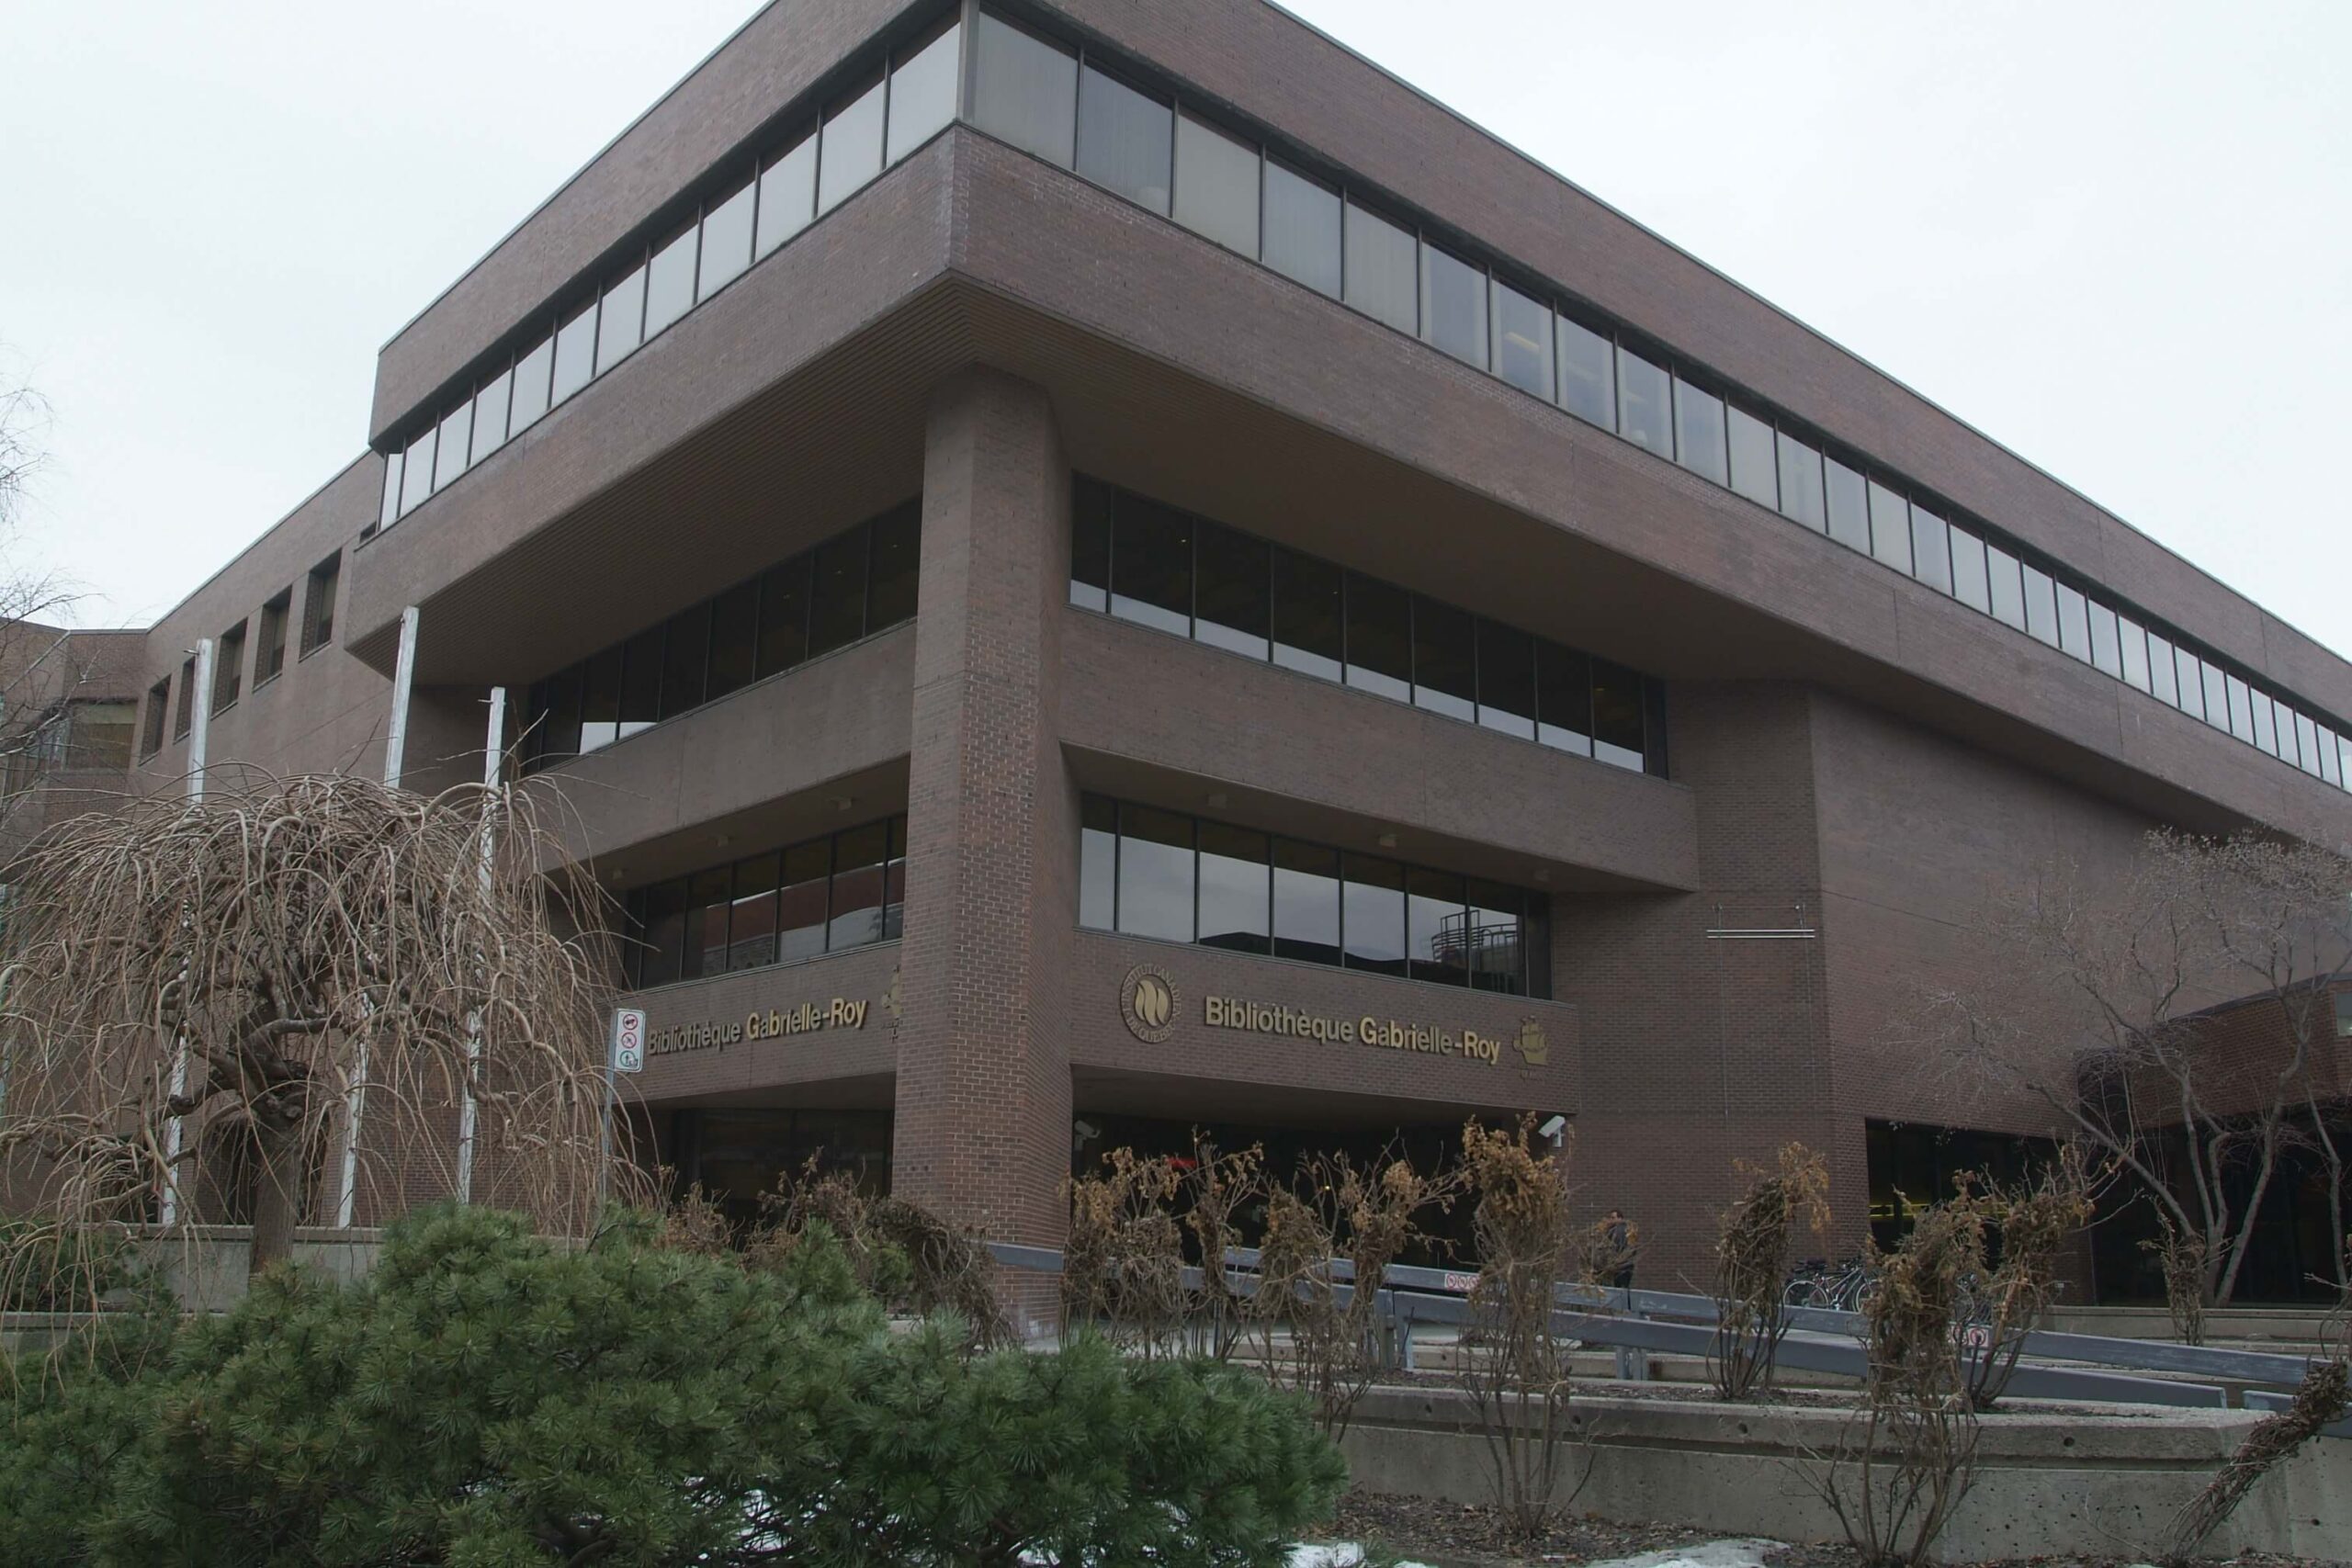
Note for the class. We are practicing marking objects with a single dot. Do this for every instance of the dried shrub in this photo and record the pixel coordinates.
(1123, 1266)
(1513, 1367)
(900, 1252)
(1216, 1190)
(1902, 1468)
(2320, 1401)
(2037, 1220)
(2184, 1258)
(1752, 1263)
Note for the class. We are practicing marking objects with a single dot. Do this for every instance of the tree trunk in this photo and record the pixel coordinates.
(277, 1189)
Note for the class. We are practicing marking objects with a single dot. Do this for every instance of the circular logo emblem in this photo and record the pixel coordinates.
(1148, 1003)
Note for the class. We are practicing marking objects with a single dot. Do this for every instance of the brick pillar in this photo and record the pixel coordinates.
(982, 1128)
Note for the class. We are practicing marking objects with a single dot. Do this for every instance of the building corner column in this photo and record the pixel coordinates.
(982, 1125)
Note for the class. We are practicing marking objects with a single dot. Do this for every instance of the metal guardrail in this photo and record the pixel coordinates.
(1638, 1321)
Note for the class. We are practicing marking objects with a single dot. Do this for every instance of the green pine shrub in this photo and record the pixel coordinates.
(489, 1400)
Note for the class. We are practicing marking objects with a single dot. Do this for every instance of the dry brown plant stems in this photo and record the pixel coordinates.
(1752, 1267)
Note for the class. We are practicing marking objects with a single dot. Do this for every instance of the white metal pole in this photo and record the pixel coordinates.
(199, 697)
(492, 764)
(395, 755)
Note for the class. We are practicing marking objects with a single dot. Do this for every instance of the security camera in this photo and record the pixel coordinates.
(1082, 1131)
(1554, 1128)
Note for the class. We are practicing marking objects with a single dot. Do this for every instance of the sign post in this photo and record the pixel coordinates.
(625, 1054)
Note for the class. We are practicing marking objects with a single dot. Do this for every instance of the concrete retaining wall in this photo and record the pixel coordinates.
(2048, 1481)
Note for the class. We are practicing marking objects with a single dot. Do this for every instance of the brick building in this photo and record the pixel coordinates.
(1086, 569)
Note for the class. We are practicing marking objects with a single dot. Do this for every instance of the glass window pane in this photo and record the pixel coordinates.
(1124, 139)
(1308, 627)
(787, 194)
(2041, 606)
(416, 471)
(1931, 549)
(2217, 702)
(1493, 948)
(1151, 564)
(894, 883)
(1098, 862)
(1216, 186)
(859, 857)
(1156, 867)
(600, 701)
(1969, 583)
(2074, 624)
(1698, 431)
(709, 896)
(1588, 374)
(575, 353)
(2265, 734)
(620, 320)
(1506, 679)
(2132, 650)
(1090, 544)
(898, 560)
(1642, 390)
(2107, 650)
(1373, 915)
(1753, 471)
(750, 917)
(2008, 585)
(389, 510)
(2307, 752)
(784, 617)
(1236, 889)
(685, 661)
(2163, 669)
(1804, 496)
(450, 447)
(1306, 902)
(1849, 504)
(922, 91)
(1230, 592)
(559, 713)
(849, 149)
(1563, 698)
(531, 374)
(726, 242)
(640, 682)
(1437, 926)
(490, 415)
(2240, 706)
(1025, 90)
(1617, 715)
(802, 903)
(1523, 341)
(664, 936)
(1383, 269)
(2191, 671)
(837, 595)
(2327, 748)
(1890, 527)
(1445, 659)
(1380, 638)
(670, 282)
(1302, 229)
(734, 639)
(1453, 305)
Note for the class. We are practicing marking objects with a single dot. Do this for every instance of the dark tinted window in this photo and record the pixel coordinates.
(1588, 374)
(1383, 269)
(1804, 496)
(2162, 671)
(1523, 341)
(1506, 679)
(228, 666)
(1699, 440)
(1151, 564)
(1644, 394)
(892, 593)
(2190, 672)
(1850, 506)
(1302, 229)
(1097, 864)
(663, 933)
(2107, 651)
(709, 895)
(1969, 583)
(1753, 466)
(1445, 659)
(1156, 865)
(2132, 650)
(1616, 714)
(1124, 139)
(557, 733)
(803, 901)
(2006, 585)
(1089, 544)
(1437, 926)
(1373, 914)
(1307, 634)
(1232, 590)
(1890, 527)
(734, 638)
(1495, 942)
(1563, 698)
(1453, 304)
(641, 660)
(2074, 624)
(1024, 89)
(1380, 638)
(2041, 606)
(750, 918)
(1234, 889)
(1306, 902)
(1931, 549)
(318, 602)
(600, 701)
(837, 601)
(860, 856)
(686, 659)
(2217, 700)
(784, 617)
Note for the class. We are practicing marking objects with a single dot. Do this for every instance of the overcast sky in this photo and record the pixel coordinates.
(2116, 237)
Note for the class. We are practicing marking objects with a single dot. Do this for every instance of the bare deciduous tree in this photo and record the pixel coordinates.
(41, 666)
(2096, 1004)
(256, 965)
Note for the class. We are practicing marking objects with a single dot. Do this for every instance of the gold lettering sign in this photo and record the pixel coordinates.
(776, 1023)
(1382, 1033)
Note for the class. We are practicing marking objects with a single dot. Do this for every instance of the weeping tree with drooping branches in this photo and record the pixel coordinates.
(240, 973)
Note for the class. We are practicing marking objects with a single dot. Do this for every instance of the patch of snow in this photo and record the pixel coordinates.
(1714, 1554)
(1343, 1554)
